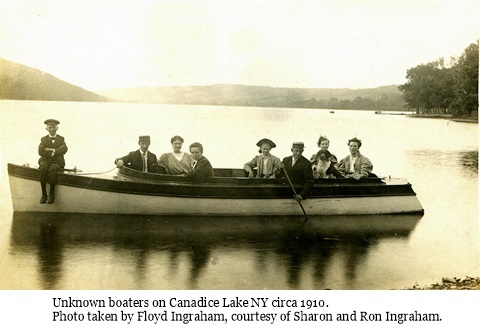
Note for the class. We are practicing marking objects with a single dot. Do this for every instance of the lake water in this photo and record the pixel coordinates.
(53, 251)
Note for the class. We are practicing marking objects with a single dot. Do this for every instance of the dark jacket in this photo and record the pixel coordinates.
(300, 174)
(134, 161)
(203, 169)
(60, 149)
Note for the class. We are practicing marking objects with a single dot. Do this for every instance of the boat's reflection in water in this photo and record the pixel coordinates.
(198, 242)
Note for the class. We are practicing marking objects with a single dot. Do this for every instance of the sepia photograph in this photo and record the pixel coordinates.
(239, 145)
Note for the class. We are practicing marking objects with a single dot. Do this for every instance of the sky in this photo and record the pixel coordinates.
(108, 44)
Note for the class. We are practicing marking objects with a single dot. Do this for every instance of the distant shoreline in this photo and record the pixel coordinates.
(443, 116)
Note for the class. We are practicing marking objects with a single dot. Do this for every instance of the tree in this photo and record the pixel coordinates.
(465, 78)
(434, 87)
(428, 88)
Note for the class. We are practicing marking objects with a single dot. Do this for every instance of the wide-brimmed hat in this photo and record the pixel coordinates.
(266, 140)
(144, 138)
(300, 145)
(51, 121)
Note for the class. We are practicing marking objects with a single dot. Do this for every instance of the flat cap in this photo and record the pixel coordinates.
(51, 121)
(144, 138)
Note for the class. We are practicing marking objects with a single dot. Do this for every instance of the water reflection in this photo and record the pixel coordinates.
(469, 161)
(49, 253)
(196, 243)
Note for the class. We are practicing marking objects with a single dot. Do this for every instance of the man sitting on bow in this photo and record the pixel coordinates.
(51, 150)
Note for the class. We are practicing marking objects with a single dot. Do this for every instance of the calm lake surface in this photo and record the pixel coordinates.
(58, 251)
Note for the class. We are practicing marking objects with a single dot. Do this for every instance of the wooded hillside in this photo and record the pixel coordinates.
(383, 98)
(20, 82)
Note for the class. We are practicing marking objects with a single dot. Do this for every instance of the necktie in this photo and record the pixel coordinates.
(194, 164)
(145, 166)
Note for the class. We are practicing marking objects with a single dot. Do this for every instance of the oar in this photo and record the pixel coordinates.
(295, 192)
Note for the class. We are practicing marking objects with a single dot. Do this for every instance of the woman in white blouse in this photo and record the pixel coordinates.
(176, 162)
(355, 165)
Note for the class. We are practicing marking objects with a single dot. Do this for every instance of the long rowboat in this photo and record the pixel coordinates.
(229, 193)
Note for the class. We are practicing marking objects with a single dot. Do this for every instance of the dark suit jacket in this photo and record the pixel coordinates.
(300, 174)
(60, 149)
(134, 161)
(203, 169)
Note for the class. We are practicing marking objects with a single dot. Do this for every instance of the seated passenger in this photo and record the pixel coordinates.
(298, 169)
(266, 163)
(201, 167)
(177, 162)
(51, 149)
(355, 165)
(324, 163)
(142, 159)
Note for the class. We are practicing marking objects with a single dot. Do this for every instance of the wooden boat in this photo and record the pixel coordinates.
(390, 113)
(229, 193)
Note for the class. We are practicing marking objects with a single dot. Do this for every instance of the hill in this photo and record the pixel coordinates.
(383, 98)
(20, 82)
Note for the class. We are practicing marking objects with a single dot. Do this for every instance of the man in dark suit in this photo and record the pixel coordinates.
(51, 150)
(141, 159)
(299, 170)
(201, 167)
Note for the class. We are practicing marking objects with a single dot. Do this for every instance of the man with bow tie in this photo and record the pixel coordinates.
(51, 150)
(141, 159)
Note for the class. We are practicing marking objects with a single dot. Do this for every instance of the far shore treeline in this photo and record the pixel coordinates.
(434, 88)
(445, 88)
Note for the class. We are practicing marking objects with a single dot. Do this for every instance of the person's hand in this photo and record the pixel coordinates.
(357, 176)
(119, 163)
(298, 197)
(281, 166)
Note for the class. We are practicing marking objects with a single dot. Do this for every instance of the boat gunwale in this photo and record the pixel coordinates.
(251, 185)
(234, 180)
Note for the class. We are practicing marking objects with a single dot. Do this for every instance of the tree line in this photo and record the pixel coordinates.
(387, 102)
(441, 88)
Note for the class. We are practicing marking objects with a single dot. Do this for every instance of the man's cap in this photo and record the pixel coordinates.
(144, 138)
(266, 140)
(51, 121)
(298, 145)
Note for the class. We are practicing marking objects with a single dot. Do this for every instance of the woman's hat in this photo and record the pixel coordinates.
(266, 140)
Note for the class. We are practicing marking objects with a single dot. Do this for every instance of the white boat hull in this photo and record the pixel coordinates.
(26, 195)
